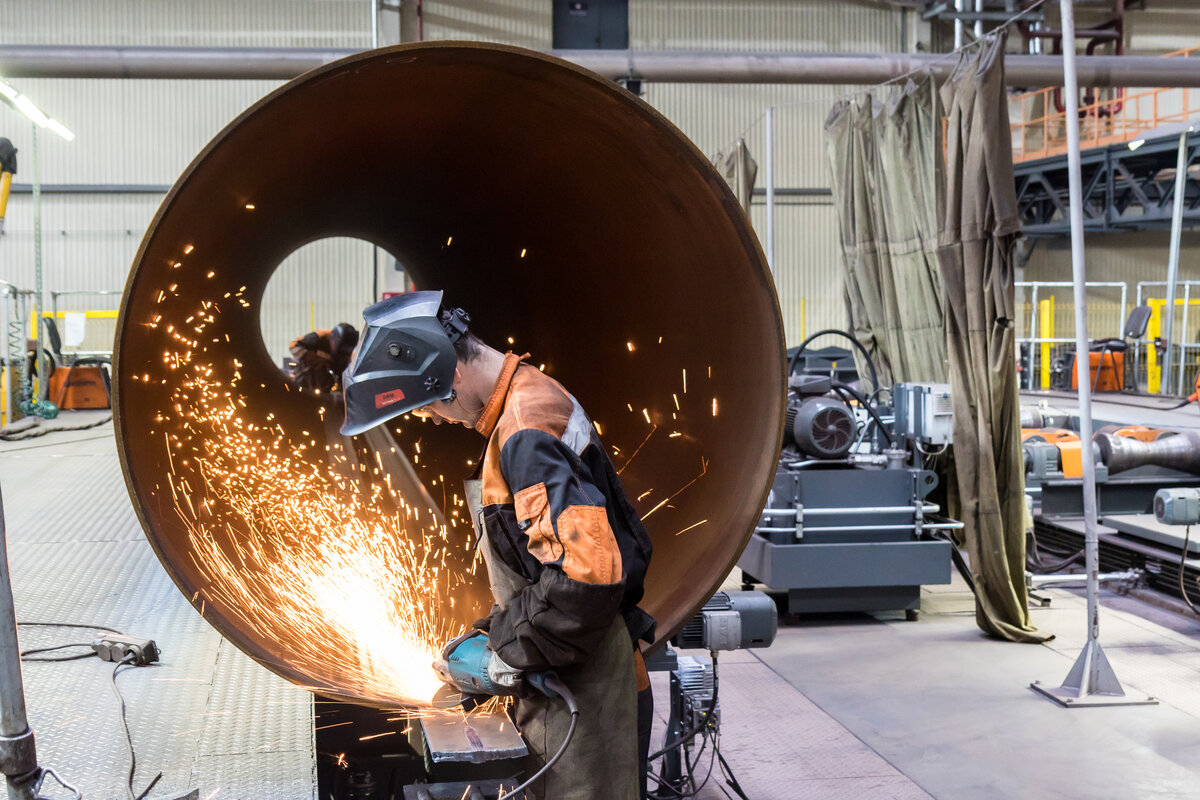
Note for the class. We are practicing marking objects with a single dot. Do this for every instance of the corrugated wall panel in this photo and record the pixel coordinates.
(525, 23)
(808, 262)
(147, 132)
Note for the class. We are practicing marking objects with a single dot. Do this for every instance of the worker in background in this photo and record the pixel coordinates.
(322, 356)
(565, 551)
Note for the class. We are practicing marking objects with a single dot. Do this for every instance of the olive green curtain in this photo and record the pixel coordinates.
(882, 155)
(978, 230)
(927, 229)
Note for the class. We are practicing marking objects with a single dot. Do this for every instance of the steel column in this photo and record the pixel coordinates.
(1173, 257)
(769, 169)
(1091, 679)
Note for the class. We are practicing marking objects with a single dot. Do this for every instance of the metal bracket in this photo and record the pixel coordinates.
(18, 755)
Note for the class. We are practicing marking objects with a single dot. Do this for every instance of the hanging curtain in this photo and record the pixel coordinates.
(739, 169)
(882, 156)
(927, 240)
(978, 231)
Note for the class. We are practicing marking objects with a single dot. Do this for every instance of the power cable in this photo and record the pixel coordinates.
(36, 431)
(88, 654)
(1187, 534)
(567, 697)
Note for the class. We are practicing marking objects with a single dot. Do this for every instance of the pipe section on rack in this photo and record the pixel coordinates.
(566, 215)
(658, 66)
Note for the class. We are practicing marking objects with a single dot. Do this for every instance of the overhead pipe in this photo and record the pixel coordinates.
(661, 66)
(557, 208)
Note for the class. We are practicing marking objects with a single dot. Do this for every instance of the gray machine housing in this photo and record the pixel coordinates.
(842, 538)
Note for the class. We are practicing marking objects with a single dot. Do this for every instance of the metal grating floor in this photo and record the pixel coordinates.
(207, 716)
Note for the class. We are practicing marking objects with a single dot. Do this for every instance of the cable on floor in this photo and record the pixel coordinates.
(36, 431)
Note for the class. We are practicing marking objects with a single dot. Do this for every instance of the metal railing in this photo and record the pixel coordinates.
(1043, 346)
(1042, 131)
(1186, 364)
(89, 314)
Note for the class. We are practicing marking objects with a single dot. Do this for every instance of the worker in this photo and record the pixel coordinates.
(566, 553)
(322, 356)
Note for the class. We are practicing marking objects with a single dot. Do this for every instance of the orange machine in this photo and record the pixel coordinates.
(1110, 365)
(80, 387)
(1069, 449)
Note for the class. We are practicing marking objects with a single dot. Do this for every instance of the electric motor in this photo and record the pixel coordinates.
(820, 426)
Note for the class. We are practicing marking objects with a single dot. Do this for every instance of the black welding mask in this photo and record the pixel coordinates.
(404, 359)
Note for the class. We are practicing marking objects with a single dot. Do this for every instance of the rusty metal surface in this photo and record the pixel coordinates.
(558, 209)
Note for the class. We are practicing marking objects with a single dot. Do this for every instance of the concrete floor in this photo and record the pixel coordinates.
(950, 711)
(856, 707)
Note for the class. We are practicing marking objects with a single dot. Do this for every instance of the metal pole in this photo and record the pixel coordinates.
(374, 23)
(1034, 355)
(958, 25)
(770, 175)
(5, 360)
(1183, 337)
(661, 66)
(979, 22)
(39, 327)
(18, 758)
(1079, 276)
(1173, 257)
(1091, 680)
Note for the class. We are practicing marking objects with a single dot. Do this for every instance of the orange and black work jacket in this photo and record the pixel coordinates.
(554, 512)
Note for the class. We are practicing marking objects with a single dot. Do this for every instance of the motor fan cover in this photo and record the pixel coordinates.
(821, 427)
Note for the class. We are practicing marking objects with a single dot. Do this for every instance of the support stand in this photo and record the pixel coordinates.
(1091, 681)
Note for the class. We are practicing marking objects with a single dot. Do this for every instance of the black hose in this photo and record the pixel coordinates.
(834, 331)
(840, 387)
(1187, 535)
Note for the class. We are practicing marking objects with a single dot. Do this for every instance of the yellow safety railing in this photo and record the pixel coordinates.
(1153, 331)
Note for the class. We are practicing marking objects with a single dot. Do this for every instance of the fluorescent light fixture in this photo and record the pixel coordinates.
(60, 129)
(27, 108)
(35, 114)
(1136, 143)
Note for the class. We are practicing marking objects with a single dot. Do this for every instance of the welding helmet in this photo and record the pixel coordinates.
(404, 360)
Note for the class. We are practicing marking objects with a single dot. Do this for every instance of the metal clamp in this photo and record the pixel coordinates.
(18, 755)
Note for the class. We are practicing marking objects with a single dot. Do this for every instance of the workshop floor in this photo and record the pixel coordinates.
(207, 717)
(856, 706)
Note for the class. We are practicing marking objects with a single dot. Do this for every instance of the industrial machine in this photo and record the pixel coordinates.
(1134, 465)
(848, 525)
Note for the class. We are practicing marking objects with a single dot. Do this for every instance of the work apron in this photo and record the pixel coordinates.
(601, 762)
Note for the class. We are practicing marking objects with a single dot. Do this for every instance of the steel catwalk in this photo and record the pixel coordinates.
(562, 211)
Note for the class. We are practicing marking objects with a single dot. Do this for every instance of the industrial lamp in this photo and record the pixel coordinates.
(26, 106)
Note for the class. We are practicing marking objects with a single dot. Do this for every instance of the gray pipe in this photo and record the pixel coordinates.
(281, 63)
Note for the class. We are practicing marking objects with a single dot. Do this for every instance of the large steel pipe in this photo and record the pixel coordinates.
(559, 209)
